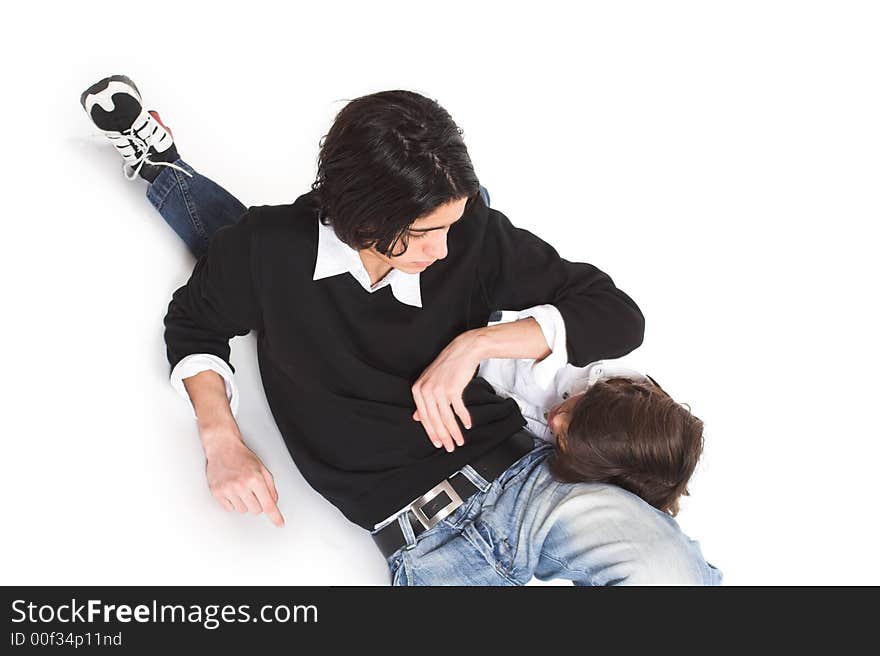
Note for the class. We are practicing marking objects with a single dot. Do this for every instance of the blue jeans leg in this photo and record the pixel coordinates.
(195, 207)
(528, 524)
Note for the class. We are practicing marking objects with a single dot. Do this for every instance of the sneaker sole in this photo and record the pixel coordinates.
(102, 85)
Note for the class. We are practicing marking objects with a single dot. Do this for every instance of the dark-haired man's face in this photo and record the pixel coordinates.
(426, 239)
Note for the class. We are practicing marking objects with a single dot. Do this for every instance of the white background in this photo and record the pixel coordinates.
(719, 160)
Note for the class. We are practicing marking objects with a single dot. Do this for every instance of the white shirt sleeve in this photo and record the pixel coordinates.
(196, 363)
(552, 325)
(524, 379)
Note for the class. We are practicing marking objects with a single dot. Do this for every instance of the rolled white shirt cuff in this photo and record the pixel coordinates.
(196, 363)
(553, 326)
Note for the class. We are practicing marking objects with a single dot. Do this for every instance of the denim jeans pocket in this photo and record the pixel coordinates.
(494, 548)
(398, 568)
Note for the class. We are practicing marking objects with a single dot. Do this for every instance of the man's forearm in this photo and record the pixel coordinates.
(217, 426)
(513, 339)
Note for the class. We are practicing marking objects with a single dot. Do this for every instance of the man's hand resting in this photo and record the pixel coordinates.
(239, 481)
(438, 392)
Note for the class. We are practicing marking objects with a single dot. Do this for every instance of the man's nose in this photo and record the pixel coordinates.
(436, 249)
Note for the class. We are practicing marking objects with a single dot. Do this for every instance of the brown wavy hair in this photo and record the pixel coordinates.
(633, 435)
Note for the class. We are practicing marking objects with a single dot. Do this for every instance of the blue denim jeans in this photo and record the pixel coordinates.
(525, 524)
(195, 207)
(522, 524)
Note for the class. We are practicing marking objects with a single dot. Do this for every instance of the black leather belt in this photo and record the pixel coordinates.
(445, 497)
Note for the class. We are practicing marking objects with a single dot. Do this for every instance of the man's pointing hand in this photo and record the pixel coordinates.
(240, 482)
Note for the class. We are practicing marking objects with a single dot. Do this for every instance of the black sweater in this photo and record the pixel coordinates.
(338, 363)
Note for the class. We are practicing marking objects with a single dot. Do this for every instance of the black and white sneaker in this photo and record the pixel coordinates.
(114, 105)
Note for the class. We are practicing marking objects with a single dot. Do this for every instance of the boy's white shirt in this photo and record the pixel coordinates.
(539, 386)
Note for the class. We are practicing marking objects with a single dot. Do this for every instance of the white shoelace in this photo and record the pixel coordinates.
(135, 161)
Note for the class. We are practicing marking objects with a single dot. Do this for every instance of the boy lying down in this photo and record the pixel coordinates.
(609, 424)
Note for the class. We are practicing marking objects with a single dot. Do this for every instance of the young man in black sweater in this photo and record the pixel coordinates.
(370, 297)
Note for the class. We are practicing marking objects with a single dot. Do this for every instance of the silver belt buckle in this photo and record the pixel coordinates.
(448, 509)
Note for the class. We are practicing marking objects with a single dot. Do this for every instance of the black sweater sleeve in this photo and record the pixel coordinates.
(519, 270)
(218, 302)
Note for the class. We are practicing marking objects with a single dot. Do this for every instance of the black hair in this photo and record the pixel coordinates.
(390, 158)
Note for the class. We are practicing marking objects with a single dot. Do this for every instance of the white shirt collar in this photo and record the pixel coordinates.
(336, 257)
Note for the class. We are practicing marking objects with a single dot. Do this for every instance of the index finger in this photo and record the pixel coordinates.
(270, 481)
(267, 501)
